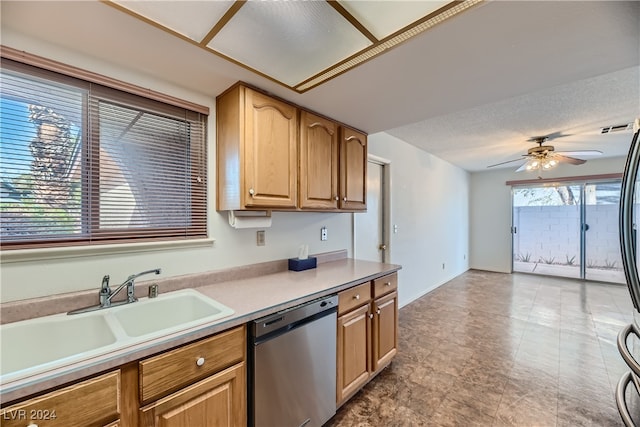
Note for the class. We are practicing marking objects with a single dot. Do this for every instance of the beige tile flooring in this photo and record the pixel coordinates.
(491, 349)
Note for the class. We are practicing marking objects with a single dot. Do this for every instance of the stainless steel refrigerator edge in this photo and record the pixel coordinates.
(628, 245)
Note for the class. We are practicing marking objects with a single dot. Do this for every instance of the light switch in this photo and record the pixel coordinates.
(323, 233)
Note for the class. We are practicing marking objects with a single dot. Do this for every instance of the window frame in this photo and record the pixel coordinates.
(101, 88)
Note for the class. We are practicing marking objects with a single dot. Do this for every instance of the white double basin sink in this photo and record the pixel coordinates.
(38, 345)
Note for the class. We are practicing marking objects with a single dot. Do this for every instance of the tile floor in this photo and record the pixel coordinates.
(490, 349)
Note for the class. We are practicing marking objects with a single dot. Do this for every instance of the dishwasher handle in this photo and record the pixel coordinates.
(286, 319)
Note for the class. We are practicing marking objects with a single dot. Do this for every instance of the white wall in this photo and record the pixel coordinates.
(429, 200)
(42, 277)
(429, 197)
(490, 205)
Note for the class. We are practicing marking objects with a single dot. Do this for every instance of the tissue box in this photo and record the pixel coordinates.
(297, 264)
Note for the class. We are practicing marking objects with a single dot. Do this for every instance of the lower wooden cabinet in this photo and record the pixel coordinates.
(200, 384)
(90, 403)
(218, 401)
(367, 334)
(354, 348)
(385, 331)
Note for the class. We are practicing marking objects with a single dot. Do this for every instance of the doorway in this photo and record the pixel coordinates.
(568, 230)
(370, 228)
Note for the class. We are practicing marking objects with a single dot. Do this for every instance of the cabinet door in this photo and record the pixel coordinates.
(353, 170)
(318, 162)
(217, 401)
(385, 330)
(270, 152)
(353, 348)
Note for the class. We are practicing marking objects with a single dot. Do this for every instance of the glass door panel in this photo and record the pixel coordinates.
(546, 230)
(603, 261)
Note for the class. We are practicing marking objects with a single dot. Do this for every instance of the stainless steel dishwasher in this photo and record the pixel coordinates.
(292, 382)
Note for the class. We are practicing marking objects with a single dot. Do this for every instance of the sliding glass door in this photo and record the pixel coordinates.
(546, 230)
(568, 230)
(602, 258)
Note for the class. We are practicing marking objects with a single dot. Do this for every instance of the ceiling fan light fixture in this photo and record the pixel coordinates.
(547, 164)
(544, 157)
(533, 165)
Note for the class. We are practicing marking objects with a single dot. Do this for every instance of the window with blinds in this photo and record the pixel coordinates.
(82, 163)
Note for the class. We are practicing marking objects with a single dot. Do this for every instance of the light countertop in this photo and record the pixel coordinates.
(249, 298)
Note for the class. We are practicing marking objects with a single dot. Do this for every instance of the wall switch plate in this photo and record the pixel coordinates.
(260, 238)
(323, 233)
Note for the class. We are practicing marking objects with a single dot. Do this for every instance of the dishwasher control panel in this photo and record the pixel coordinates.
(289, 317)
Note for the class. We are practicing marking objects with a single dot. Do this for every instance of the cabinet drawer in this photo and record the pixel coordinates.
(385, 284)
(170, 371)
(93, 402)
(354, 297)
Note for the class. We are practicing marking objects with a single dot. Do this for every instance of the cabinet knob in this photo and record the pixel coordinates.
(388, 284)
(251, 191)
(344, 199)
(370, 315)
(378, 311)
(33, 425)
(337, 198)
(200, 361)
(357, 296)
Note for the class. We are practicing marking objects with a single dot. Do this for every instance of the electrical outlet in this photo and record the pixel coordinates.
(323, 233)
(260, 238)
(443, 265)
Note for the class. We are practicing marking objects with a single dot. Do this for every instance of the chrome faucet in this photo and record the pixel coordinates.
(105, 291)
(106, 295)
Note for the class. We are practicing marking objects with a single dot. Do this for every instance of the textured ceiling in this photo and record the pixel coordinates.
(500, 131)
(471, 90)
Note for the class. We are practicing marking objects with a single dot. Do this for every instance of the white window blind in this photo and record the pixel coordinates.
(81, 163)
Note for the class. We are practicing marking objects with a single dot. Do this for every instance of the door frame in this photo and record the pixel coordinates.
(386, 208)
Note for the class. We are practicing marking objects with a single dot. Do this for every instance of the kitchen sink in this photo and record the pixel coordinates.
(52, 341)
(168, 313)
(37, 345)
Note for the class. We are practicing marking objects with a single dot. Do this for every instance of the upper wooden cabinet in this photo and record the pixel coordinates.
(273, 155)
(257, 139)
(318, 162)
(353, 170)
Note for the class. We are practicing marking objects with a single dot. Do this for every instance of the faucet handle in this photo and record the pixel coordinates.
(105, 292)
(105, 285)
(105, 282)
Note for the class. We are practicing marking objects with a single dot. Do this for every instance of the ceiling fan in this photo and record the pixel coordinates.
(544, 157)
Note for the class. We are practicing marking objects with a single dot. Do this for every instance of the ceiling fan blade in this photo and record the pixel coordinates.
(549, 137)
(580, 153)
(523, 167)
(570, 160)
(504, 163)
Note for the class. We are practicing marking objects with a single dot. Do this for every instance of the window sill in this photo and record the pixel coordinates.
(24, 255)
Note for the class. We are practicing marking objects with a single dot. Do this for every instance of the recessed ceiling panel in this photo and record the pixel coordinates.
(288, 41)
(383, 18)
(193, 19)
